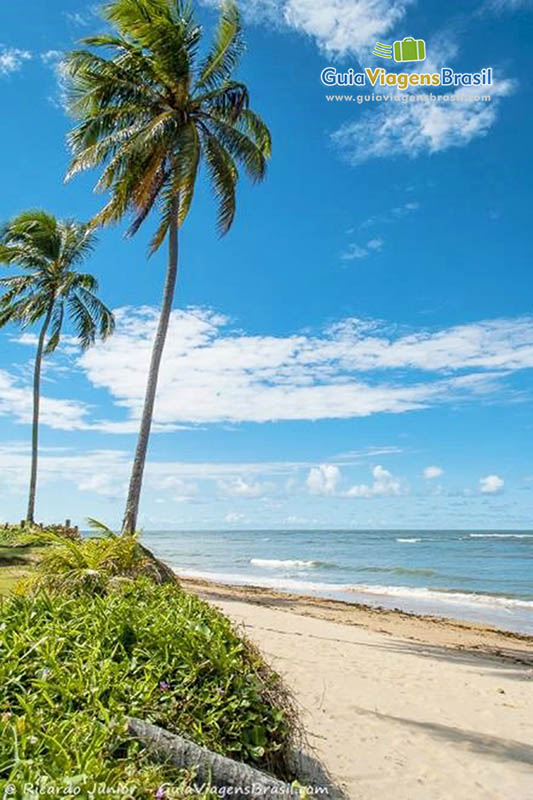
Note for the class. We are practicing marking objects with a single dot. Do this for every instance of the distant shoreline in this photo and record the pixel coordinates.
(431, 629)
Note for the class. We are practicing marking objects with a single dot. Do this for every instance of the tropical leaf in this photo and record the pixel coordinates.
(148, 113)
(101, 527)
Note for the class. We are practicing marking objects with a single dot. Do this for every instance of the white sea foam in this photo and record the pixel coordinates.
(275, 563)
(421, 593)
(500, 535)
(380, 593)
(282, 584)
(409, 540)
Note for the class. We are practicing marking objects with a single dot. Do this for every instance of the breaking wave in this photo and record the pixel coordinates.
(289, 563)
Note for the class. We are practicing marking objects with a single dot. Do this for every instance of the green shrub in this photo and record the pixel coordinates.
(87, 564)
(15, 536)
(71, 668)
(90, 564)
(27, 534)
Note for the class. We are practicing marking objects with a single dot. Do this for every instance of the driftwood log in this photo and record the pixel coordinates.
(212, 769)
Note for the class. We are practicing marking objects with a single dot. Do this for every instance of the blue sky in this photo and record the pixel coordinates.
(357, 352)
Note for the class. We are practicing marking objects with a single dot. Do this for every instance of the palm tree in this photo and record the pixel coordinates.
(150, 112)
(48, 250)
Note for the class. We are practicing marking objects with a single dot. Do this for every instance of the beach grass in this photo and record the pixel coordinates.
(74, 666)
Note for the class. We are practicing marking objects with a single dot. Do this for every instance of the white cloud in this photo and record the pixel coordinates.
(103, 484)
(16, 402)
(356, 251)
(54, 59)
(354, 456)
(181, 491)
(106, 473)
(102, 472)
(343, 27)
(323, 479)
(393, 215)
(241, 488)
(95, 483)
(407, 208)
(12, 59)
(25, 338)
(507, 5)
(52, 56)
(338, 27)
(211, 373)
(384, 484)
(432, 472)
(83, 18)
(232, 517)
(417, 128)
(492, 484)
(359, 251)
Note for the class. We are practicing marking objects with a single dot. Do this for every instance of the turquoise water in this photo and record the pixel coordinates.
(484, 576)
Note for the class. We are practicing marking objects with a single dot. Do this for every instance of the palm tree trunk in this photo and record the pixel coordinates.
(35, 425)
(212, 769)
(129, 523)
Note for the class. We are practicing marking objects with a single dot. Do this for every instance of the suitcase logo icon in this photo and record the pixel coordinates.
(410, 49)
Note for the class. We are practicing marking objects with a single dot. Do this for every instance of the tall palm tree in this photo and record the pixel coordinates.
(150, 112)
(48, 250)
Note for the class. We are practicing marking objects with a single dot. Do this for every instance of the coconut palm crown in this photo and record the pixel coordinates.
(49, 290)
(151, 111)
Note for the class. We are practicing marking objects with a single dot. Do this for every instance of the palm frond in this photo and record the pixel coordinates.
(82, 320)
(50, 249)
(241, 147)
(56, 325)
(149, 113)
(224, 178)
(227, 48)
(101, 527)
(186, 169)
(102, 317)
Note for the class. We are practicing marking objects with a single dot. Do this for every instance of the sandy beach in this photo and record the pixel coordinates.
(397, 705)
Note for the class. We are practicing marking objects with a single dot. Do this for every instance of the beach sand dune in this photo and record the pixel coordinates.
(398, 706)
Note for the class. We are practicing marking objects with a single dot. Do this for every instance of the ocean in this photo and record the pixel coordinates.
(480, 576)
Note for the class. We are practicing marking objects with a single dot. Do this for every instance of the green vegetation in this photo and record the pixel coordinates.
(73, 667)
(20, 538)
(10, 577)
(89, 564)
(20, 551)
(150, 111)
(86, 642)
(50, 289)
(22, 548)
